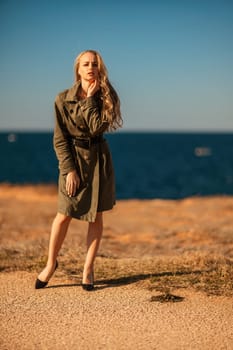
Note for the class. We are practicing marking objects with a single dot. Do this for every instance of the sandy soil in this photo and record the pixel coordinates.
(63, 316)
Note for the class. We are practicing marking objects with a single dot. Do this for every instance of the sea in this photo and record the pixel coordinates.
(148, 165)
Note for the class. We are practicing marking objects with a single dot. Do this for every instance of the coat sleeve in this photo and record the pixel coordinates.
(62, 142)
(91, 110)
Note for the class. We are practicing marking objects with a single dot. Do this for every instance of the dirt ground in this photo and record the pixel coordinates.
(143, 242)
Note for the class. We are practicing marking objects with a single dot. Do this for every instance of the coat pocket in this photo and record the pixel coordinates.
(85, 164)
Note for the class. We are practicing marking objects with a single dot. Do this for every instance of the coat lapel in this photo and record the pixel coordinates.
(71, 101)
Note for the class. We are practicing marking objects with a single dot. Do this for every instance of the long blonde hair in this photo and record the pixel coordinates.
(111, 102)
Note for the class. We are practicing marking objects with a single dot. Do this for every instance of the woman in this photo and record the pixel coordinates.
(86, 178)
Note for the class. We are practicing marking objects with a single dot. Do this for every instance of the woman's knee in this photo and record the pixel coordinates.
(62, 219)
(97, 225)
(99, 221)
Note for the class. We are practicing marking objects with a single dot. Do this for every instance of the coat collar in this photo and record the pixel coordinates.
(72, 93)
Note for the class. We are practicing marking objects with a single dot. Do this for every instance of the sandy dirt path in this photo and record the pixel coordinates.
(63, 316)
(114, 316)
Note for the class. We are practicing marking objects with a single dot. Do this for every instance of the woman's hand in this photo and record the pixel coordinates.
(93, 88)
(72, 183)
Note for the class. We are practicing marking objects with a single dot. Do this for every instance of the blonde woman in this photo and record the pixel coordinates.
(86, 176)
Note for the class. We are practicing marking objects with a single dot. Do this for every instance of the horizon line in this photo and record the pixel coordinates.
(146, 131)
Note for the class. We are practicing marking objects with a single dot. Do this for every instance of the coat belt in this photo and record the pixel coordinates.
(87, 142)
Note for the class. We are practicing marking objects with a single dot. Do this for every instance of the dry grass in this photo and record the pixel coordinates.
(211, 274)
(160, 245)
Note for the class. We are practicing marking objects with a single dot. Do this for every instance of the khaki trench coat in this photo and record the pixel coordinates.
(82, 119)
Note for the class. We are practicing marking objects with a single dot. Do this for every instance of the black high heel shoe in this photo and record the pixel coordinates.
(89, 286)
(41, 284)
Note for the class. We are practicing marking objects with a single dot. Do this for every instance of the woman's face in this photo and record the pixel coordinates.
(88, 67)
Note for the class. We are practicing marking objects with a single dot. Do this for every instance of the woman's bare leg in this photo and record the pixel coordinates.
(94, 234)
(58, 233)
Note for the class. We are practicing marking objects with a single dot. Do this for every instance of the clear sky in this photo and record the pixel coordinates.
(170, 61)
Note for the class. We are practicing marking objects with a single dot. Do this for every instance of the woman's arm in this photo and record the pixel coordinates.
(62, 142)
(63, 149)
(91, 109)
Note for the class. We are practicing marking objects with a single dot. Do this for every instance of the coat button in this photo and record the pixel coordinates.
(71, 111)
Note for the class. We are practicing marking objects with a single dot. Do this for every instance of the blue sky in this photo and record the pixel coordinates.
(170, 61)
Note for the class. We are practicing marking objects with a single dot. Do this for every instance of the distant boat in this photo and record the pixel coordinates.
(12, 137)
(202, 151)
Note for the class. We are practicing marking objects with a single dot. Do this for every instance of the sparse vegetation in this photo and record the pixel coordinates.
(163, 246)
(211, 274)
